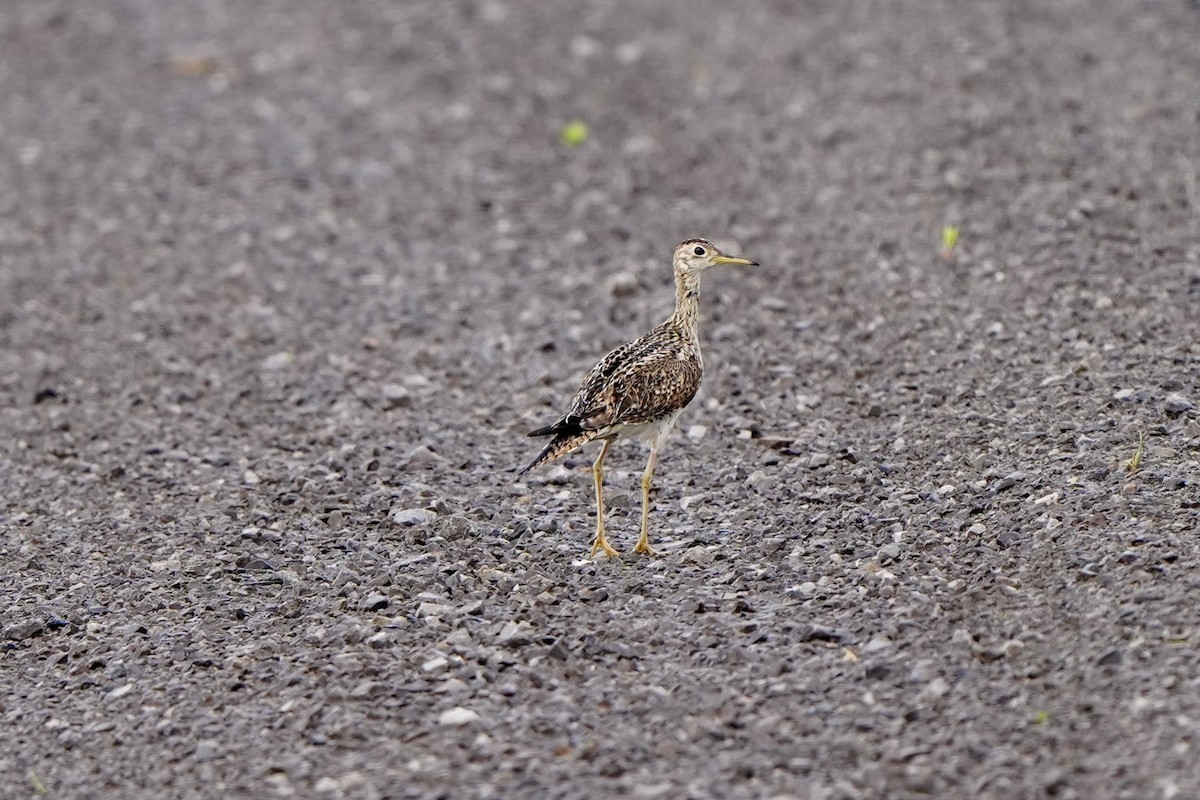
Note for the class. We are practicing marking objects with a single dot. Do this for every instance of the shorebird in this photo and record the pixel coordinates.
(640, 389)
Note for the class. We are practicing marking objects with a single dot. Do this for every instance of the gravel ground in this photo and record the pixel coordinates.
(283, 285)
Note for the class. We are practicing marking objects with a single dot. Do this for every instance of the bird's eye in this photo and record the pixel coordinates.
(699, 250)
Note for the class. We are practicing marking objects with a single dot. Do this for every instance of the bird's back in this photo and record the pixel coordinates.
(655, 374)
(636, 384)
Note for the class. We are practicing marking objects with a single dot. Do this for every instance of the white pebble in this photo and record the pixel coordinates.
(120, 691)
(934, 689)
(457, 717)
(413, 516)
(435, 610)
(806, 401)
(434, 664)
(277, 361)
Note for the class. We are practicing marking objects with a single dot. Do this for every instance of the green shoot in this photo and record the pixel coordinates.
(574, 133)
(1132, 464)
(949, 241)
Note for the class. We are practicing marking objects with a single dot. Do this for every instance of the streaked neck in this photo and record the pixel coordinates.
(687, 300)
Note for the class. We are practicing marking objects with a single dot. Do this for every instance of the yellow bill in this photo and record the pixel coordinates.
(735, 260)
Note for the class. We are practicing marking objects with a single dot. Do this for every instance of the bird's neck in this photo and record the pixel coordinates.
(687, 300)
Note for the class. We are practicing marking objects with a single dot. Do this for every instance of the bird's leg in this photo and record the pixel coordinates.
(643, 544)
(600, 543)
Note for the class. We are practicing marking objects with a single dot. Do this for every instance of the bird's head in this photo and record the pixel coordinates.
(696, 255)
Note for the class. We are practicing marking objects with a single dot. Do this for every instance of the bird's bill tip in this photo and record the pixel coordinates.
(745, 262)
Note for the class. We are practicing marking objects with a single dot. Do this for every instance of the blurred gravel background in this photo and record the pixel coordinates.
(283, 285)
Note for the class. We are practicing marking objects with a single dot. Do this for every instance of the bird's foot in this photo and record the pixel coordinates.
(643, 546)
(601, 543)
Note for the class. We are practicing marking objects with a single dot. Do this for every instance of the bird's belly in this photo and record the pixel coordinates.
(651, 431)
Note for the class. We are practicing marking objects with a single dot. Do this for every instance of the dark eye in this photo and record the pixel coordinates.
(699, 250)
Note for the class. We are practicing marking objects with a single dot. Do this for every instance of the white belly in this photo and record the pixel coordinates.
(655, 432)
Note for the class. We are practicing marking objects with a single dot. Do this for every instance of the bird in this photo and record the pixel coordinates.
(638, 390)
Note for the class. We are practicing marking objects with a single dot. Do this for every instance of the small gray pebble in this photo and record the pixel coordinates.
(514, 633)
(878, 670)
(1010, 480)
(422, 456)
(375, 602)
(889, 552)
(453, 527)
(277, 361)
(456, 717)
(1178, 404)
(820, 633)
(559, 651)
(19, 631)
(206, 750)
(413, 516)
(394, 396)
(804, 590)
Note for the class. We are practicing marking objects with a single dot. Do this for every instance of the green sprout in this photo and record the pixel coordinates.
(949, 240)
(574, 133)
(1041, 718)
(36, 783)
(1132, 464)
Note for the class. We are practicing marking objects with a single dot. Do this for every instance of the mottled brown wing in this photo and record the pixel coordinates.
(637, 382)
(590, 398)
(649, 388)
(594, 400)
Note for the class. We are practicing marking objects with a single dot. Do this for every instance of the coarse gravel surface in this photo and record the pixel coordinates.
(283, 285)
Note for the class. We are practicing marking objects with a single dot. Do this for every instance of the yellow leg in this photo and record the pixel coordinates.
(600, 543)
(643, 544)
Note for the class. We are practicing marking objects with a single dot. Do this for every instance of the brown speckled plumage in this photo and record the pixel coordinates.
(639, 389)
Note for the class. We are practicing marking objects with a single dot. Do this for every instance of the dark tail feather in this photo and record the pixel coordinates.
(567, 426)
(559, 446)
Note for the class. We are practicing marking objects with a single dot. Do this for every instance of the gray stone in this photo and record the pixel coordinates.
(1010, 480)
(277, 361)
(19, 631)
(514, 633)
(422, 456)
(374, 602)
(413, 516)
(457, 717)
(394, 396)
(206, 750)
(1176, 403)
